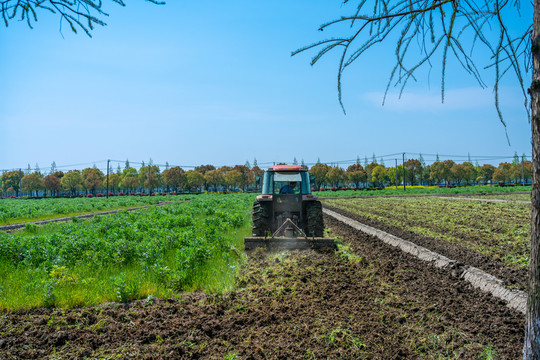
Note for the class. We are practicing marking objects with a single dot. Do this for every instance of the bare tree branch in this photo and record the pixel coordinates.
(453, 27)
(79, 14)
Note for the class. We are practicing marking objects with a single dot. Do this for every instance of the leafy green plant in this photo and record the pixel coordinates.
(123, 256)
(125, 289)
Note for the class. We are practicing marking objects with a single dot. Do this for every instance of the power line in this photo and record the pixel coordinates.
(427, 157)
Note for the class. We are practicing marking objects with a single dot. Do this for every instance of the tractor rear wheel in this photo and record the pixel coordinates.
(261, 219)
(315, 221)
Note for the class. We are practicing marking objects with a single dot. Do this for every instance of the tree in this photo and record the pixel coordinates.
(31, 183)
(335, 176)
(458, 173)
(379, 175)
(204, 168)
(194, 179)
(114, 181)
(244, 175)
(174, 177)
(92, 179)
(256, 176)
(12, 180)
(213, 178)
(149, 177)
(78, 14)
(437, 172)
(356, 174)
(502, 173)
(486, 172)
(469, 172)
(52, 183)
(357, 177)
(527, 169)
(394, 172)
(233, 179)
(414, 169)
(369, 170)
(72, 181)
(130, 179)
(319, 171)
(130, 183)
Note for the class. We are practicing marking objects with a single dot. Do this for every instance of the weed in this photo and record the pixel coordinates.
(488, 353)
(48, 294)
(343, 338)
(150, 299)
(125, 290)
(31, 228)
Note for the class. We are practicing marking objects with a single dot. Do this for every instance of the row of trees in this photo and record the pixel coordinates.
(147, 178)
(150, 178)
(415, 172)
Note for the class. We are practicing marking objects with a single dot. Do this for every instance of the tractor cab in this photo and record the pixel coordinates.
(286, 180)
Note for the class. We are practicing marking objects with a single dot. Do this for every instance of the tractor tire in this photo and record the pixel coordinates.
(315, 221)
(261, 219)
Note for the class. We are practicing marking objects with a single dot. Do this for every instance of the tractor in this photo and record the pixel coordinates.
(287, 215)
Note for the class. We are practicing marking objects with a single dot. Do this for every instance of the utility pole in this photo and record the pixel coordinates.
(108, 178)
(404, 188)
(395, 172)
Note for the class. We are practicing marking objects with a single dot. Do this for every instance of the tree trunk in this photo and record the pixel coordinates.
(531, 348)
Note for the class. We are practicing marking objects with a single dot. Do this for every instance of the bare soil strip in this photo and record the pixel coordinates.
(83, 216)
(476, 199)
(516, 299)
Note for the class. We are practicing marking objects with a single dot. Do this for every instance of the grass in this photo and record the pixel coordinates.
(14, 211)
(124, 256)
(499, 230)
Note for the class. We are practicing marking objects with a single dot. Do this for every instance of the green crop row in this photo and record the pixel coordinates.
(22, 210)
(158, 251)
(499, 230)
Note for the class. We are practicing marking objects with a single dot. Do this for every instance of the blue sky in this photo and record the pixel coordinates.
(197, 82)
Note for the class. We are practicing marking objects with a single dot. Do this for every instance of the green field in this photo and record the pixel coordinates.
(425, 190)
(159, 251)
(499, 230)
(22, 210)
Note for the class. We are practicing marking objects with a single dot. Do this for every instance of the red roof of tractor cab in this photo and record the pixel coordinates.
(286, 168)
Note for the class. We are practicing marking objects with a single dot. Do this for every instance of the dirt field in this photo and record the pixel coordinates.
(512, 276)
(369, 301)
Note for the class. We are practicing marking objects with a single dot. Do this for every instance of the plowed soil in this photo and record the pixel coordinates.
(515, 277)
(366, 301)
